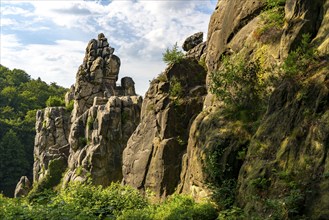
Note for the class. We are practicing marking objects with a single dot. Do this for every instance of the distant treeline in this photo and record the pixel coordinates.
(20, 98)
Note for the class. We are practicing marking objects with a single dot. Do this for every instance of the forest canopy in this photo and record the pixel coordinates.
(20, 98)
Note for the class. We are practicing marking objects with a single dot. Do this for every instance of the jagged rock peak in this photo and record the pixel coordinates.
(97, 76)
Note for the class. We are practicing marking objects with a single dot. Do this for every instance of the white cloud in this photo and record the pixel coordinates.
(139, 30)
(53, 63)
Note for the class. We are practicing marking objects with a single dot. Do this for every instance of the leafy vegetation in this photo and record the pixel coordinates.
(20, 97)
(85, 201)
(301, 58)
(240, 85)
(175, 89)
(54, 101)
(173, 55)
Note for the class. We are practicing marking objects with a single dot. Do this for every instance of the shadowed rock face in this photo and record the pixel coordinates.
(51, 140)
(152, 158)
(287, 156)
(103, 118)
(98, 137)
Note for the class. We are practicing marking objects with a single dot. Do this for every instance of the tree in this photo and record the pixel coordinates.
(13, 163)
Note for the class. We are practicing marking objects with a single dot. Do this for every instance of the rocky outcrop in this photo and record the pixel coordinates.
(23, 187)
(87, 142)
(51, 140)
(302, 17)
(283, 175)
(152, 158)
(193, 41)
(287, 164)
(98, 137)
(97, 76)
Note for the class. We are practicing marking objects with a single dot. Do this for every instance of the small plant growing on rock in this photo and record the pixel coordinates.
(301, 58)
(176, 89)
(69, 106)
(173, 55)
(239, 84)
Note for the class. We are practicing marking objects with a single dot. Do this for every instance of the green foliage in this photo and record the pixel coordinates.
(20, 97)
(239, 85)
(175, 89)
(260, 183)
(162, 77)
(69, 106)
(173, 55)
(90, 122)
(233, 213)
(52, 178)
(54, 101)
(175, 207)
(85, 201)
(13, 162)
(224, 195)
(301, 58)
(274, 3)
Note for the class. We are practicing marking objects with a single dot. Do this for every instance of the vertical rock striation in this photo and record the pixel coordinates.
(152, 158)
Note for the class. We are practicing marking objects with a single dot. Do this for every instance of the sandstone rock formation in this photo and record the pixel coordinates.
(98, 137)
(284, 171)
(51, 140)
(193, 41)
(89, 141)
(23, 187)
(289, 152)
(97, 76)
(152, 158)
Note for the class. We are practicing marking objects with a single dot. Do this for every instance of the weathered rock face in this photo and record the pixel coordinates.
(228, 20)
(97, 76)
(301, 17)
(23, 187)
(193, 41)
(51, 140)
(285, 171)
(152, 158)
(287, 158)
(98, 137)
(90, 140)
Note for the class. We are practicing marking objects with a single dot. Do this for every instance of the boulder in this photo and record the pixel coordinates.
(193, 41)
(23, 187)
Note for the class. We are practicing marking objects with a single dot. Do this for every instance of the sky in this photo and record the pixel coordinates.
(48, 38)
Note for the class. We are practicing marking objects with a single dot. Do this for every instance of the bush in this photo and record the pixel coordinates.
(69, 106)
(239, 85)
(173, 55)
(175, 89)
(301, 58)
(175, 207)
(54, 101)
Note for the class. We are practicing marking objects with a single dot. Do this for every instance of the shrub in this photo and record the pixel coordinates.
(175, 89)
(233, 213)
(240, 85)
(69, 106)
(173, 55)
(224, 193)
(301, 58)
(175, 207)
(54, 101)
